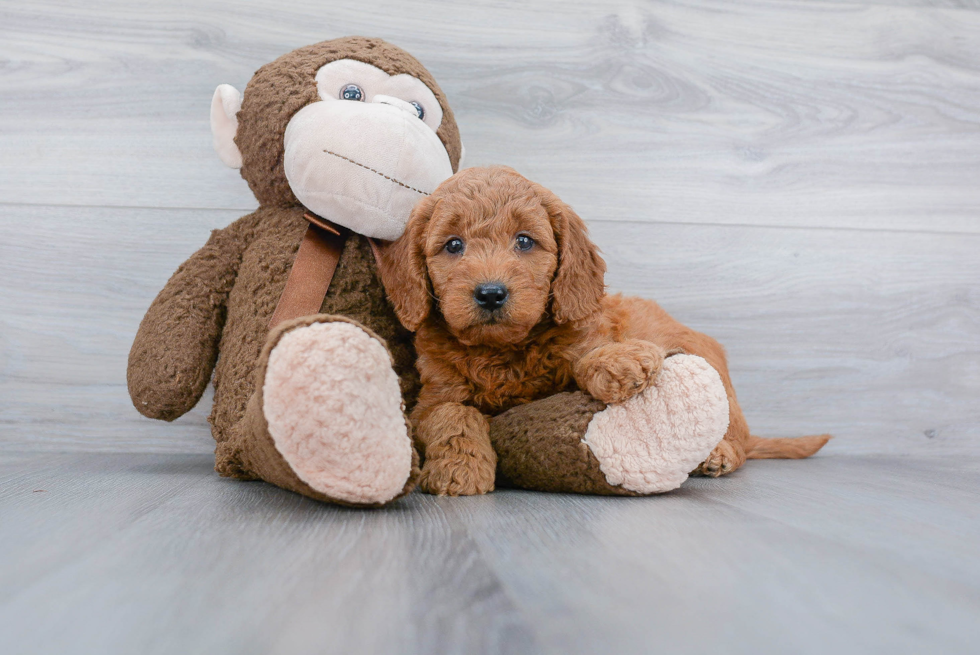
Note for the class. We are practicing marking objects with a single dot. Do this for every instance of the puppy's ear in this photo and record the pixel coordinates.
(403, 269)
(579, 284)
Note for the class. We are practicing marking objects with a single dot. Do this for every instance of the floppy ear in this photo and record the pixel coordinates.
(403, 269)
(579, 283)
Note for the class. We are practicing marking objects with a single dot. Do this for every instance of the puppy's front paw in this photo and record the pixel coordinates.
(458, 468)
(618, 371)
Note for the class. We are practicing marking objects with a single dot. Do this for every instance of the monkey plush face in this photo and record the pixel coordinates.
(368, 151)
(354, 129)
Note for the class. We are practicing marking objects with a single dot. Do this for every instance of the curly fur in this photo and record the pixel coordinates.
(558, 330)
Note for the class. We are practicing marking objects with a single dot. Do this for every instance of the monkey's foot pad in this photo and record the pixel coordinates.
(649, 443)
(334, 410)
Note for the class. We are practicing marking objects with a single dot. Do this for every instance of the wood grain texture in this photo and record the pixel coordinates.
(148, 553)
(846, 114)
(301, 577)
(874, 337)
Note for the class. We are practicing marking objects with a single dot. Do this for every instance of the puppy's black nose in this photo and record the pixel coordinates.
(490, 295)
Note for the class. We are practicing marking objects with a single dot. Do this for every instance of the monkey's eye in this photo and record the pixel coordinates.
(454, 246)
(524, 242)
(418, 109)
(352, 92)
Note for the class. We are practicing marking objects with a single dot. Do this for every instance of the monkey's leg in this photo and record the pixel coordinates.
(648, 444)
(326, 419)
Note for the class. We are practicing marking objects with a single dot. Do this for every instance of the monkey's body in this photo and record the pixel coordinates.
(248, 263)
(355, 293)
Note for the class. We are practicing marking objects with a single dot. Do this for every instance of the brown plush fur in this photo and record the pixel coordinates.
(539, 446)
(221, 299)
(557, 331)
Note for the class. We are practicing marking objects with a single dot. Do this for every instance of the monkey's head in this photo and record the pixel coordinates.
(355, 129)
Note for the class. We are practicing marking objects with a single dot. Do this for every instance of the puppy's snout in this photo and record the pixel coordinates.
(490, 295)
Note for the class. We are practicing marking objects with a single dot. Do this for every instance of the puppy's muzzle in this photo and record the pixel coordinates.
(490, 295)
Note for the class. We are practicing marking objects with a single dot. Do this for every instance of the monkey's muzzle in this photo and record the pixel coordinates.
(363, 165)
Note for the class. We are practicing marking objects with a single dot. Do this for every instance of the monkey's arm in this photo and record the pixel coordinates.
(176, 345)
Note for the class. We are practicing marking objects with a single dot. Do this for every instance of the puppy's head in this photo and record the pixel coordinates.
(498, 253)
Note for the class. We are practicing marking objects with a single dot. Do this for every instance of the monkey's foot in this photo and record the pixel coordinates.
(334, 411)
(649, 443)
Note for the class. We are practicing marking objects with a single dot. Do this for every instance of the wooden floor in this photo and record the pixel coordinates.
(799, 179)
(150, 553)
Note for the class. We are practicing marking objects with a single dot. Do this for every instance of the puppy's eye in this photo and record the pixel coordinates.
(524, 242)
(352, 92)
(454, 246)
(418, 109)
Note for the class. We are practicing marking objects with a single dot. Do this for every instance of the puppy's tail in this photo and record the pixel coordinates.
(798, 448)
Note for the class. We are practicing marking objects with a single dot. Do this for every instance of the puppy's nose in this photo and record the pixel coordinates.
(490, 295)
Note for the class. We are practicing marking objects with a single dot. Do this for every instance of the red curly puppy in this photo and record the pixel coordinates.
(523, 314)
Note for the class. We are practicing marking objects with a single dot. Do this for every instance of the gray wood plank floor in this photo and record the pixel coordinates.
(147, 553)
(799, 179)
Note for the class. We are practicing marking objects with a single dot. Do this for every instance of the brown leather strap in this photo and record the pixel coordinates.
(313, 269)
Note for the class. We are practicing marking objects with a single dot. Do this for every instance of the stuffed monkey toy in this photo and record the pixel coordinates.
(312, 370)
(337, 141)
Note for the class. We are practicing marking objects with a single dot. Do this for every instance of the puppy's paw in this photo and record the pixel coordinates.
(724, 459)
(458, 467)
(618, 371)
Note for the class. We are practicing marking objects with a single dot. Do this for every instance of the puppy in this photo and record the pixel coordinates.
(506, 293)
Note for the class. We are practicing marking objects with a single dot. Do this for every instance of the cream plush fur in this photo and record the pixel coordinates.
(374, 82)
(335, 414)
(225, 104)
(369, 173)
(649, 443)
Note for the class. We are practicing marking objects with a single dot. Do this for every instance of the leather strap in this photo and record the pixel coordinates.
(313, 269)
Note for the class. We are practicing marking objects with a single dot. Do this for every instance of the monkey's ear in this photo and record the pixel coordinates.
(224, 124)
(579, 283)
(403, 268)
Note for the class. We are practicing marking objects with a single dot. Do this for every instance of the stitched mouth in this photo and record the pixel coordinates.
(368, 168)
